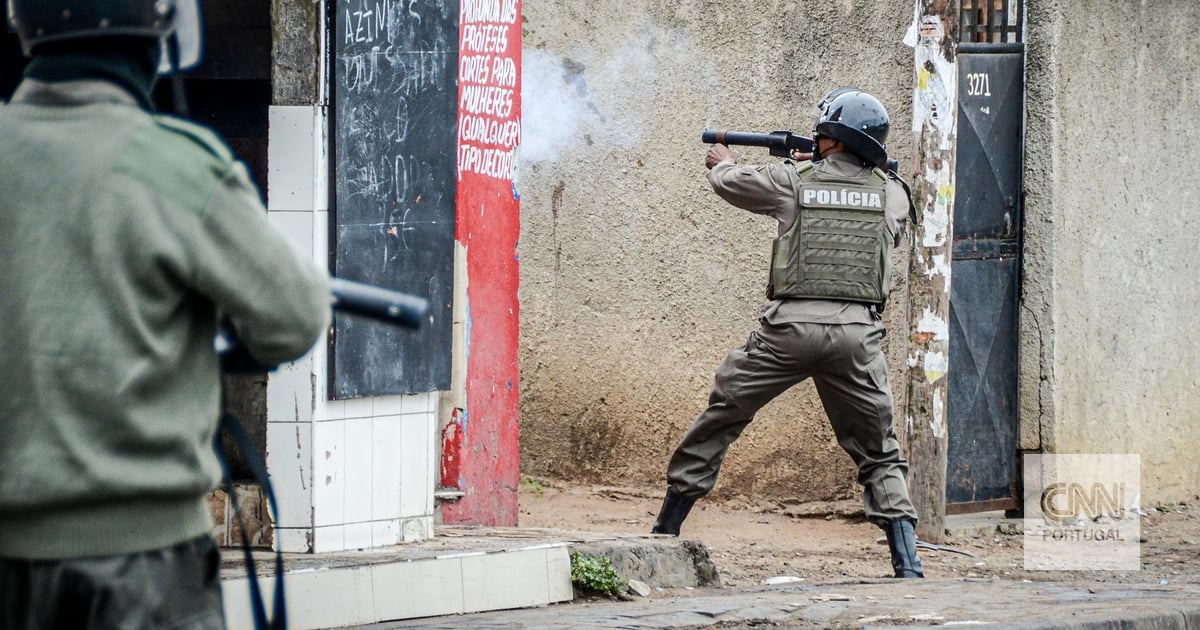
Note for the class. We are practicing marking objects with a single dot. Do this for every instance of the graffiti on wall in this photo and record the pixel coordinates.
(489, 132)
(480, 451)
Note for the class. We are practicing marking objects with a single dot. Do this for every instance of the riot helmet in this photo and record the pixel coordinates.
(823, 104)
(174, 23)
(857, 120)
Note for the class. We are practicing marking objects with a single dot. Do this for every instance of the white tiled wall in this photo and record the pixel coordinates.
(295, 159)
(359, 455)
(289, 460)
(329, 473)
(348, 474)
(373, 472)
(385, 471)
(416, 463)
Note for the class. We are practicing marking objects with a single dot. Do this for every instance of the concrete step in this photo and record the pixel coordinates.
(460, 570)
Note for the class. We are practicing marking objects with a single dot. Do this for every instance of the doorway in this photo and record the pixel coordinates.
(983, 460)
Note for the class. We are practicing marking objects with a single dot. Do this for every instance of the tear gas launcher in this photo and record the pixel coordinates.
(780, 143)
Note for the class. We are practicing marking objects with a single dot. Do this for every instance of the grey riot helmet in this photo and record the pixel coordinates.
(174, 23)
(857, 120)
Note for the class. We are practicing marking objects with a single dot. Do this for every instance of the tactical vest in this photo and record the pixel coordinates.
(839, 246)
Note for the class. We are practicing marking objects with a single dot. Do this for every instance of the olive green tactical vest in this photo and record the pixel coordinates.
(839, 247)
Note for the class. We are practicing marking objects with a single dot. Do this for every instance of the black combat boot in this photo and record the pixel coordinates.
(902, 540)
(675, 508)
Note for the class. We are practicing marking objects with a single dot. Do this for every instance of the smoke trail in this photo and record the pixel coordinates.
(551, 112)
(607, 102)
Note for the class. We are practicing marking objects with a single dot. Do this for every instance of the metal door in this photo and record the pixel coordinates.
(982, 396)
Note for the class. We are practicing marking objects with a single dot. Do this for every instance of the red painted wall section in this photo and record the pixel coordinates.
(480, 449)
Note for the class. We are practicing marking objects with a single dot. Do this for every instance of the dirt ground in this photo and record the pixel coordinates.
(751, 541)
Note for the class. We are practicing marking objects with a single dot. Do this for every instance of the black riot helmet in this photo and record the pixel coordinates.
(857, 120)
(175, 23)
(823, 104)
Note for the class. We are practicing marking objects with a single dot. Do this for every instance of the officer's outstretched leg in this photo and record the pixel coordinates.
(902, 541)
(675, 508)
(747, 379)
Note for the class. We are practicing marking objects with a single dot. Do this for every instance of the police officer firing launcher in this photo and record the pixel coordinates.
(839, 217)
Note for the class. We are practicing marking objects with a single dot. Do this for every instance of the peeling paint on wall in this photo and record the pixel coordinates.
(937, 421)
(935, 97)
(941, 265)
(936, 219)
(453, 439)
(937, 79)
(933, 326)
(936, 366)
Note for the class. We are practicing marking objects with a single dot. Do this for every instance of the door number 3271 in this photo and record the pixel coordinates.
(979, 84)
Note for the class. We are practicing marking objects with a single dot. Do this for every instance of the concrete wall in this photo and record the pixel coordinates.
(1110, 343)
(635, 278)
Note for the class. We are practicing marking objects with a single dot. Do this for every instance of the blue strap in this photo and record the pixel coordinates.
(278, 619)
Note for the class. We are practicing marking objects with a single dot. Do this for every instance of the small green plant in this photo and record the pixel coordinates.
(595, 574)
(533, 485)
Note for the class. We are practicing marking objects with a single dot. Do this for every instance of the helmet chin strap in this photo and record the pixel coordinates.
(818, 155)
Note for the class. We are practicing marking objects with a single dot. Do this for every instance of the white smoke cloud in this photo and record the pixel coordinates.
(550, 109)
(603, 100)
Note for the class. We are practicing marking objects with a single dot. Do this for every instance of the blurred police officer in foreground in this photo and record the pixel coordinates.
(124, 236)
(839, 217)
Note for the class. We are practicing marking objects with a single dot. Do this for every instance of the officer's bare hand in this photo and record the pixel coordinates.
(718, 153)
(797, 156)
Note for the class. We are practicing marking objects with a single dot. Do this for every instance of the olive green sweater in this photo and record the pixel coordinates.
(122, 236)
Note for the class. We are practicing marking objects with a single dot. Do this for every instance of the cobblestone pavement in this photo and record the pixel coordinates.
(859, 604)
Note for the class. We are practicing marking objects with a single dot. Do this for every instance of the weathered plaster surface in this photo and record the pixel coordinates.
(635, 278)
(295, 53)
(1109, 337)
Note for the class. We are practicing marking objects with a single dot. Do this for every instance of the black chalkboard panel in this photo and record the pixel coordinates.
(393, 155)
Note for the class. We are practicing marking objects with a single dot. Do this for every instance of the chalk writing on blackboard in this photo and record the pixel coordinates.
(394, 139)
